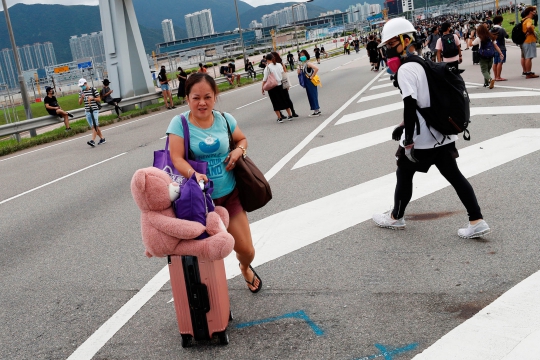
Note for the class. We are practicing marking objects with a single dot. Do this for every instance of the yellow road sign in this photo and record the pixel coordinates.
(61, 69)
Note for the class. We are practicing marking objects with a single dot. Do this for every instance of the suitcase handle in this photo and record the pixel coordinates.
(199, 301)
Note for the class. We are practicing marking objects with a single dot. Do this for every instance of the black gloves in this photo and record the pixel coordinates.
(398, 131)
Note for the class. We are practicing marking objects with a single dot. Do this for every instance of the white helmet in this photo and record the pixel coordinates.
(395, 27)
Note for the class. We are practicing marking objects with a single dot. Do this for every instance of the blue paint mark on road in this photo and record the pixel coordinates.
(294, 315)
(387, 353)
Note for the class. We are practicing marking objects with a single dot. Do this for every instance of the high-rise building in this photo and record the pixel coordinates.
(88, 46)
(255, 25)
(168, 30)
(360, 12)
(285, 16)
(32, 57)
(199, 23)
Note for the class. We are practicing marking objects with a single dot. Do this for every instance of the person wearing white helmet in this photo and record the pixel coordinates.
(421, 146)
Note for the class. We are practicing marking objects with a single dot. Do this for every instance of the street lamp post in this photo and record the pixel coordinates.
(22, 84)
(240, 31)
(296, 26)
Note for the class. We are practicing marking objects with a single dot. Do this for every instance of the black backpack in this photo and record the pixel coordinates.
(449, 111)
(518, 36)
(449, 47)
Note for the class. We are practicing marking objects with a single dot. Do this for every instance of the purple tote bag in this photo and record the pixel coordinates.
(193, 203)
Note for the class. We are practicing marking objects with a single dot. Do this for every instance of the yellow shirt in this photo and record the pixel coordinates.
(531, 37)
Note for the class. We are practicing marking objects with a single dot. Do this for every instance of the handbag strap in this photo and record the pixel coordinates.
(187, 154)
(231, 141)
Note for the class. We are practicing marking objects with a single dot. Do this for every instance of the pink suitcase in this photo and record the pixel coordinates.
(201, 298)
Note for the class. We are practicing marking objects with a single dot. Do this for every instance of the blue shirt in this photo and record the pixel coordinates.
(210, 145)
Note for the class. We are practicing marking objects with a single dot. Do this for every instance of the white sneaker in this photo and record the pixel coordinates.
(474, 231)
(385, 220)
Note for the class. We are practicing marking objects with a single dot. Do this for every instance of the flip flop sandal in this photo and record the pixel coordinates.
(252, 283)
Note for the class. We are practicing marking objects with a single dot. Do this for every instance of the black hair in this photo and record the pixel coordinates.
(200, 77)
(305, 53)
(269, 57)
(445, 26)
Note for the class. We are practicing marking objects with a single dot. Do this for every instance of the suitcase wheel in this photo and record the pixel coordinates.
(223, 337)
(230, 316)
(187, 341)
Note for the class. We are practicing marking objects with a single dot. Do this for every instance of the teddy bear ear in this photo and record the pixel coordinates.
(138, 182)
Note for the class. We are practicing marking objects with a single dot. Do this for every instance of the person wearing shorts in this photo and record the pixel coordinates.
(165, 89)
(502, 35)
(528, 48)
(52, 107)
(90, 96)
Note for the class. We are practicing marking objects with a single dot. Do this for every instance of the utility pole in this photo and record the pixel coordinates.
(240, 32)
(22, 84)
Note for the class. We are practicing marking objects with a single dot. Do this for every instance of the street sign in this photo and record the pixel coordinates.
(61, 69)
(84, 65)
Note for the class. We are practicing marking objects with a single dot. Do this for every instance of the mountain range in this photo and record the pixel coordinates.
(57, 23)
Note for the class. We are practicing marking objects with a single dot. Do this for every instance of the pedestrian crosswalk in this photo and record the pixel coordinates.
(276, 236)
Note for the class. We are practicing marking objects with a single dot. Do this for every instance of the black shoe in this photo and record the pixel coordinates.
(173, 107)
(294, 114)
(290, 118)
(280, 120)
(70, 114)
(91, 143)
(68, 129)
(281, 115)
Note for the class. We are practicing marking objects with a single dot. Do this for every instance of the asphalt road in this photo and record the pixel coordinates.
(72, 253)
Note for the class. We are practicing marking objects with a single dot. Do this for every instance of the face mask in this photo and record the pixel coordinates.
(303, 58)
(393, 64)
(392, 52)
(83, 87)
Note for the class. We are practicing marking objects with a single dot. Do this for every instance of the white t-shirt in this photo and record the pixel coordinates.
(276, 69)
(413, 82)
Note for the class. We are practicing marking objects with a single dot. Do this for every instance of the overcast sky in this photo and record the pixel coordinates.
(96, 2)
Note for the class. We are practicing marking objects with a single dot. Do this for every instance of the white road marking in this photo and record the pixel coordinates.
(343, 147)
(513, 94)
(500, 110)
(370, 112)
(99, 338)
(277, 235)
(504, 87)
(280, 164)
(60, 178)
(256, 101)
(506, 329)
(491, 110)
(381, 86)
(106, 331)
(384, 79)
(379, 96)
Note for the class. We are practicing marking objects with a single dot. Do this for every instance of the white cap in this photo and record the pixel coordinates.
(82, 81)
(395, 27)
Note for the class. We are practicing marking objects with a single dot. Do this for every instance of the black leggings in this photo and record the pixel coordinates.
(449, 169)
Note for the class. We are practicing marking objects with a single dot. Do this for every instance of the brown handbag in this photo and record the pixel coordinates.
(253, 189)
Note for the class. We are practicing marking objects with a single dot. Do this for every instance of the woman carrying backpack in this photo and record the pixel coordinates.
(487, 49)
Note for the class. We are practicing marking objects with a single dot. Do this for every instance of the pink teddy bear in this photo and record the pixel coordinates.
(163, 234)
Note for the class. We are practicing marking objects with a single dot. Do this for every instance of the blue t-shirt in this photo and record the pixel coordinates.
(210, 145)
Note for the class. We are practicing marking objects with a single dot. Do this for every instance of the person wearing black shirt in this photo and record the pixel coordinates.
(317, 52)
(373, 53)
(165, 89)
(52, 107)
(182, 77)
(249, 69)
(105, 95)
(290, 60)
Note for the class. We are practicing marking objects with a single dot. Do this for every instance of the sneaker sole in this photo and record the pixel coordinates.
(391, 227)
(476, 235)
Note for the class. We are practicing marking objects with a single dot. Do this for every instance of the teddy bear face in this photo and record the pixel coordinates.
(150, 189)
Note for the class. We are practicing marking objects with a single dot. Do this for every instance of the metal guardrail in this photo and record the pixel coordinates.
(36, 123)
